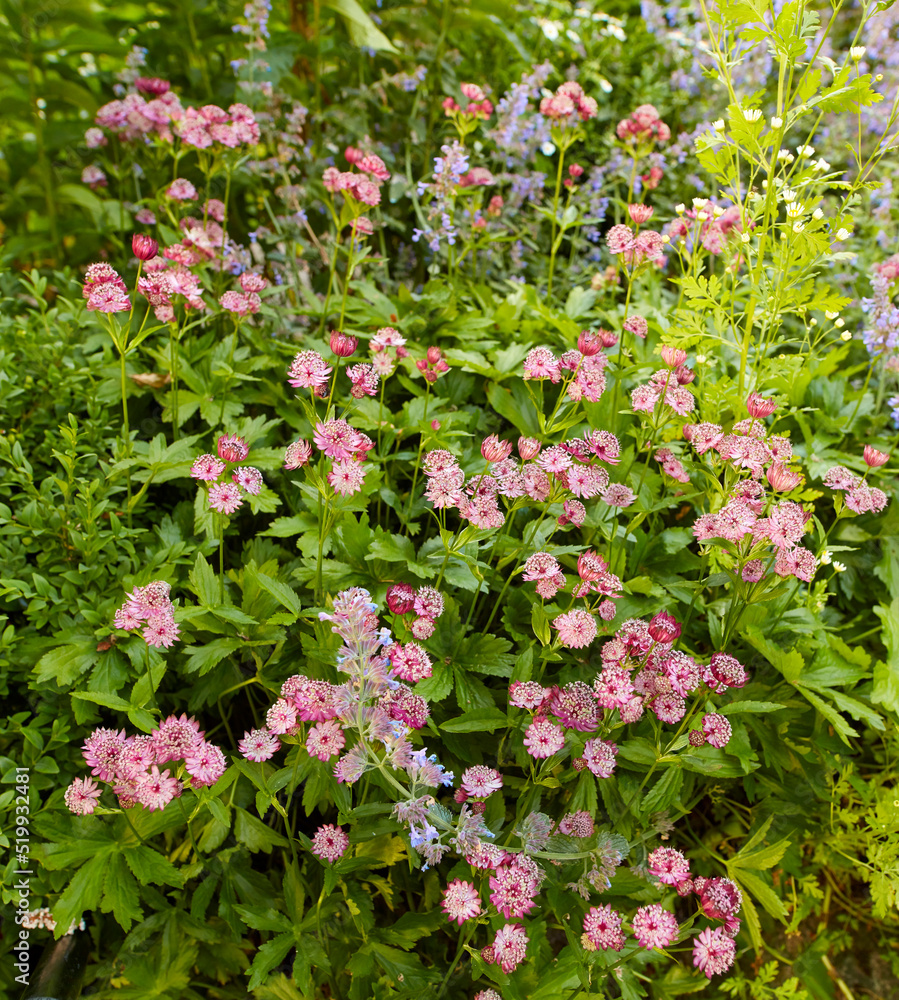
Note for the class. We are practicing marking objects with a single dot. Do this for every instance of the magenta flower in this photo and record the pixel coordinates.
(249, 479)
(258, 745)
(509, 947)
(669, 866)
(514, 889)
(602, 929)
(101, 751)
(308, 370)
(654, 926)
(281, 717)
(207, 468)
(410, 662)
(461, 901)
(297, 454)
(205, 763)
(717, 730)
(713, 951)
(600, 757)
(347, 477)
(330, 843)
(82, 795)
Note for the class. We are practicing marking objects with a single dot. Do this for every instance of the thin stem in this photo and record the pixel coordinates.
(222, 557)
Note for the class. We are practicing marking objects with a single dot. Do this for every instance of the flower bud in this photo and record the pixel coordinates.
(696, 738)
(441, 366)
(421, 365)
(664, 628)
(589, 343)
(673, 356)
(400, 598)
(528, 448)
(144, 247)
(608, 338)
(759, 407)
(781, 478)
(435, 425)
(875, 458)
(433, 355)
(684, 375)
(640, 213)
(343, 345)
(495, 450)
(232, 448)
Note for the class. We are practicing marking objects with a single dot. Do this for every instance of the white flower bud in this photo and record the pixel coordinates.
(831, 315)
(846, 335)
(718, 126)
(843, 234)
(805, 150)
(776, 122)
(839, 323)
(817, 214)
(702, 216)
(785, 156)
(857, 52)
(788, 195)
(745, 237)
(680, 209)
(798, 227)
(751, 114)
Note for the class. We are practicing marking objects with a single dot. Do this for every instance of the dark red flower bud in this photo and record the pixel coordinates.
(343, 345)
(664, 628)
(401, 598)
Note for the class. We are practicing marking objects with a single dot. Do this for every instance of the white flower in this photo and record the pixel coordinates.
(700, 203)
(745, 237)
(776, 122)
(788, 195)
(821, 164)
(843, 234)
(718, 126)
(826, 557)
(795, 209)
(785, 156)
(846, 335)
(751, 114)
(680, 209)
(798, 227)
(702, 216)
(856, 52)
(805, 150)
(831, 315)
(817, 214)
(839, 567)
(839, 323)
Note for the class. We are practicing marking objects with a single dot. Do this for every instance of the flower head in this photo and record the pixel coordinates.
(461, 901)
(330, 843)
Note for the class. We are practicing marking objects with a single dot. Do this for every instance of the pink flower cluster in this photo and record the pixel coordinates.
(167, 283)
(633, 247)
(643, 127)
(478, 106)
(151, 608)
(211, 125)
(432, 365)
(668, 388)
(362, 187)
(569, 104)
(134, 117)
(104, 290)
(387, 339)
(588, 378)
(860, 497)
(426, 604)
(246, 302)
(223, 495)
(707, 223)
(330, 843)
(130, 765)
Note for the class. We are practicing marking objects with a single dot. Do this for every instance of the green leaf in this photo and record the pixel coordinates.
(886, 673)
(262, 918)
(258, 836)
(120, 893)
(269, 957)
(201, 659)
(478, 720)
(790, 663)
(205, 582)
(151, 866)
(280, 591)
(82, 893)
(760, 890)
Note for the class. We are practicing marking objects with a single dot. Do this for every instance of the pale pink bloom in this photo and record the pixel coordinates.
(205, 764)
(573, 512)
(232, 448)
(281, 717)
(618, 495)
(527, 694)
(713, 951)
(82, 795)
(347, 477)
(207, 468)
(577, 628)
(308, 370)
(249, 479)
(297, 454)
(330, 843)
(669, 866)
(513, 891)
(365, 380)
(542, 363)
(540, 566)
(510, 947)
(93, 176)
(600, 757)
(336, 439)
(181, 190)
(160, 630)
(481, 781)
(325, 739)
(240, 303)
(543, 738)
(461, 901)
(720, 899)
(410, 662)
(578, 824)
(175, 737)
(428, 603)
(101, 751)
(422, 628)
(259, 744)
(226, 498)
(637, 325)
(157, 789)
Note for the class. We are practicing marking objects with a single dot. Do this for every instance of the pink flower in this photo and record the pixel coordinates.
(527, 694)
(514, 890)
(207, 468)
(161, 630)
(226, 498)
(330, 843)
(510, 947)
(297, 454)
(543, 738)
(874, 458)
(713, 951)
(240, 303)
(602, 928)
(101, 751)
(542, 363)
(347, 477)
(618, 495)
(365, 380)
(578, 824)
(281, 717)
(82, 795)
(669, 866)
(654, 927)
(181, 190)
(410, 662)
(480, 781)
(577, 628)
(600, 757)
(717, 730)
(258, 745)
(461, 901)
(232, 448)
(156, 790)
(308, 370)
(205, 764)
(249, 479)
(325, 739)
